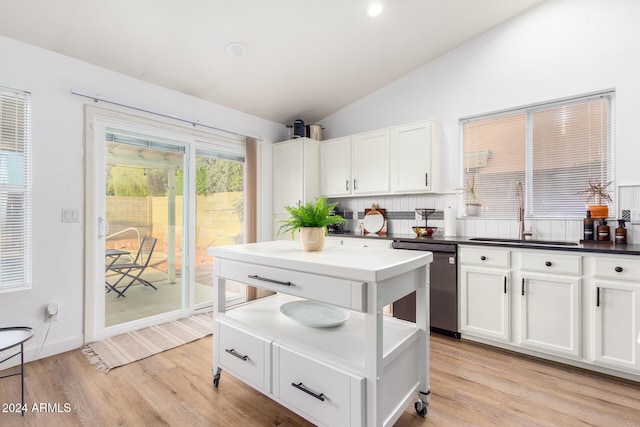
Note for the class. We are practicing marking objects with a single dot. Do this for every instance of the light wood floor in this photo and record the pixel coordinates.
(471, 385)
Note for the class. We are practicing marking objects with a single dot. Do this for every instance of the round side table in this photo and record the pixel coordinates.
(10, 338)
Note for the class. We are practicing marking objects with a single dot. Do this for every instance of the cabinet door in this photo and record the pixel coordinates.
(288, 167)
(550, 313)
(335, 167)
(370, 163)
(617, 324)
(484, 303)
(411, 158)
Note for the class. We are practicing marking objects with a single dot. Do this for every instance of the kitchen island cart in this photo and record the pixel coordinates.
(365, 370)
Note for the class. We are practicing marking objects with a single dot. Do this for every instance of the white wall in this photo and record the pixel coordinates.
(58, 175)
(558, 49)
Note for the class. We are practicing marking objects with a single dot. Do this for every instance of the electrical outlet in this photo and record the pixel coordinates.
(635, 216)
(51, 312)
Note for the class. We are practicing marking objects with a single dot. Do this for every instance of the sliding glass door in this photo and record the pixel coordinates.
(157, 198)
(144, 205)
(220, 215)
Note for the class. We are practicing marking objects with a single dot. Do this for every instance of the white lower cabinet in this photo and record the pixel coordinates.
(484, 282)
(484, 304)
(568, 306)
(550, 301)
(550, 314)
(615, 307)
(322, 392)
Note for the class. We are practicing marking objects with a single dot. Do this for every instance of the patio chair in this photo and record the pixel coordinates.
(135, 269)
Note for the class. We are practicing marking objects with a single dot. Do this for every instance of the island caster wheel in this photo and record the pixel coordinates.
(216, 378)
(421, 409)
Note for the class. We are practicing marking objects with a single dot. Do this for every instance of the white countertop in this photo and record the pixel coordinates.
(347, 262)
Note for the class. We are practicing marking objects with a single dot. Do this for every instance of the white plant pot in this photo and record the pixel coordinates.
(312, 238)
(473, 209)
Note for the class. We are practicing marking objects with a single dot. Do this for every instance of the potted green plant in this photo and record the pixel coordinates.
(312, 219)
(598, 194)
(473, 204)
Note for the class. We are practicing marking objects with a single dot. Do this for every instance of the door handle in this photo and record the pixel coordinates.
(103, 227)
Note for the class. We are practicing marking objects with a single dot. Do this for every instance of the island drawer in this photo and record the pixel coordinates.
(551, 262)
(486, 257)
(341, 292)
(246, 355)
(617, 268)
(319, 391)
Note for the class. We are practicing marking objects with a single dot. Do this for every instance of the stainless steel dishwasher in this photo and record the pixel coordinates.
(443, 288)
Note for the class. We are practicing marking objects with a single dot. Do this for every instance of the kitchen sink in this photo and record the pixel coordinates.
(523, 242)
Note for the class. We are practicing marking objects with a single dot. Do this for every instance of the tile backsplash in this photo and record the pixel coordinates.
(628, 199)
(401, 217)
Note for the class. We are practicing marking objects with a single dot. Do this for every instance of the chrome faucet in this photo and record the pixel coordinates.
(520, 196)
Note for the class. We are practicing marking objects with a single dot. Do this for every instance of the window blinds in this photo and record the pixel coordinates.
(554, 149)
(15, 191)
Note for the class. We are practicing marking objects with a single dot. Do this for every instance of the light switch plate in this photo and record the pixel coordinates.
(635, 216)
(70, 215)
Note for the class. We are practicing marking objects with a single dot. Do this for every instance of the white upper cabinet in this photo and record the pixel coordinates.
(355, 165)
(370, 163)
(296, 177)
(335, 167)
(401, 159)
(295, 173)
(416, 158)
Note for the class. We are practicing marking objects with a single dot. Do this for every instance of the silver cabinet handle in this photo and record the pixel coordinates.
(233, 352)
(346, 184)
(301, 387)
(355, 184)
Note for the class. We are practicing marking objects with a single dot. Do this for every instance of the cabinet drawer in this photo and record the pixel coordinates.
(551, 262)
(617, 268)
(344, 293)
(324, 394)
(246, 355)
(485, 256)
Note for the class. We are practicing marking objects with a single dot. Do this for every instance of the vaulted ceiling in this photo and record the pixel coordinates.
(304, 58)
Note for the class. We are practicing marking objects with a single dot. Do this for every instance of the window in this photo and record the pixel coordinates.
(553, 149)
(15, 191)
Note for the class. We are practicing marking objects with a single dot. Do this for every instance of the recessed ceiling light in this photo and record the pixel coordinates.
(375, 9)
(236, 49)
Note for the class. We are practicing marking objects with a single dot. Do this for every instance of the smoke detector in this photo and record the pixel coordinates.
(236, 49)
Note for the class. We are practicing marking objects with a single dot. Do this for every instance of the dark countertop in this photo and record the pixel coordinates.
(629, 249)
